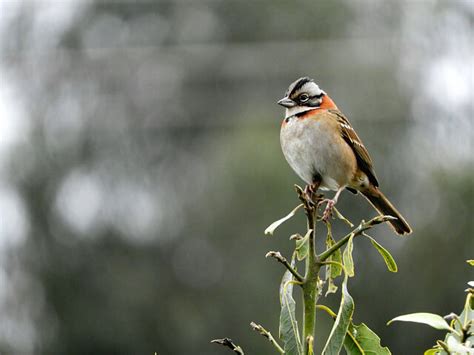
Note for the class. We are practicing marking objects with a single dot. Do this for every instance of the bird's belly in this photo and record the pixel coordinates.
(310, 149)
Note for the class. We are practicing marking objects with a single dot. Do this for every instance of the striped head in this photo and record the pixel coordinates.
(304, 95)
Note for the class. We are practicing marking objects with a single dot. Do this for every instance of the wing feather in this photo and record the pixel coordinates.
(362, 155)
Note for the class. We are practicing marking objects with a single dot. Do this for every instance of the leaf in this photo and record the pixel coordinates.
(387, 257)
(347, 257)
(332, 270)
(433, 320)
(470, 262)
(336, 270)
(456, 347)
(332, 288)
(360, 340)
(271, 228)
(288, 331)
(467, 318)
(437, 350)
(341, 325)
(467, 314)
(302, 246)
(341, 217)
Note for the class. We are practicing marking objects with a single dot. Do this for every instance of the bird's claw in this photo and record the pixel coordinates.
(310, 191)
(328, 210)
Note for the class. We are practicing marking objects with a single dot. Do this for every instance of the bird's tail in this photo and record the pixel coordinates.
(385, 207)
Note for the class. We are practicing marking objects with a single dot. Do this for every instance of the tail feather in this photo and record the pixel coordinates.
(385, 207)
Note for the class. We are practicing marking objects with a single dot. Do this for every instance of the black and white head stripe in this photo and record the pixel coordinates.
(304, 85)
(298, 84)
(302, 95)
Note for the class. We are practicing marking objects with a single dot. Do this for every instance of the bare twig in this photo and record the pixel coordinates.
(262, 331)
(229, 344)
(280, 258)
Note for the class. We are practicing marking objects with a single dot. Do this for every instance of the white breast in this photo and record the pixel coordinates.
(308, 146)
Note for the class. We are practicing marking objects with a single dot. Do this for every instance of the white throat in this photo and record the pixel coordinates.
(297, 109)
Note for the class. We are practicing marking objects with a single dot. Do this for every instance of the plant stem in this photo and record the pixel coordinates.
(314, 263)
(261, 330)
(361, 228)
(310, 282)
(310, 297)
(323, 256)
(229, 344)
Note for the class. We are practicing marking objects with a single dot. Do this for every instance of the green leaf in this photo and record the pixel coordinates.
(336, 270)
(341, 217)
(360, 340)
(347, 257)
(387, 257)
(437, 350)
(332, 288)
(302, 246)
(271, 228)
(467, 314)
(466, 318)
(341, 325)
(332, 270)
(288, 331)
(455, 341)
(456, 346)
(433, 320)
(470, 262)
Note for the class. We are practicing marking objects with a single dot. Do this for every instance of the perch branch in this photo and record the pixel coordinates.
(310, 283)
(280, 258)
(262, 331)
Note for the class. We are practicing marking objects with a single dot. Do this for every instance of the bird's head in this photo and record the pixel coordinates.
(303, 95)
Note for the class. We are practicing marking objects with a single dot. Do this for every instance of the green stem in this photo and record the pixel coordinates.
(323, 256)
(327, 310)
(310, 282)
(314, 262)
(310, 298)
(361, 228)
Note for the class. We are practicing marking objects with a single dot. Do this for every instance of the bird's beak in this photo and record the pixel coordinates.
(286, 102)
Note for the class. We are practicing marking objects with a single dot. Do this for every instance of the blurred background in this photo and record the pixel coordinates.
(140, 163)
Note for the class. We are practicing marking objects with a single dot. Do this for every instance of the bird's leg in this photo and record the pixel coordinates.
(311, 189)
(308, 191)
(330, 204)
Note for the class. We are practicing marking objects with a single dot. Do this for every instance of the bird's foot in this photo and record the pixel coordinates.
(310, 192)
(328, 210)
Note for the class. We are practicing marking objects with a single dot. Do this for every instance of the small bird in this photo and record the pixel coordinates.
(321, 146)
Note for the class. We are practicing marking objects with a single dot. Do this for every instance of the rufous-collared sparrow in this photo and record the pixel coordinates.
(321, 146)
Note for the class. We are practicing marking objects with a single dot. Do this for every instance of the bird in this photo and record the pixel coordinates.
(324, 150)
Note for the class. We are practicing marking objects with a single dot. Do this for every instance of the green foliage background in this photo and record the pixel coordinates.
(144, 164)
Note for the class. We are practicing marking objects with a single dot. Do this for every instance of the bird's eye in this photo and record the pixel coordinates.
(303, 97)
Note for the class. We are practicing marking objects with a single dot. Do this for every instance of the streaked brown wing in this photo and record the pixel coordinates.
(362, 155)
